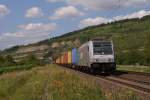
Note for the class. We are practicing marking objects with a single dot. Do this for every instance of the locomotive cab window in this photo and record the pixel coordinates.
(102, 48)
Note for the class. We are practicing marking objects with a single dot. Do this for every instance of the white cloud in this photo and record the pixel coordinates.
(34, 12)
(101, 20)
(69, 11)
(107, 4)
(3, 10)
(138, 14)
(38, 27)
(104, 4)
(15, 34)
(93, 21)
(27, 33)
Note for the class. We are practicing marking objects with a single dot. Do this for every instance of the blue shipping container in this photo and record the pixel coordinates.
(74, 56)
(78, 57)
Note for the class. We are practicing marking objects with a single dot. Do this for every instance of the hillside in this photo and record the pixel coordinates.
(131, 40)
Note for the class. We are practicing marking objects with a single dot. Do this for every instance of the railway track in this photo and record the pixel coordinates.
(141, 87)
(136, 73)
(135, 85)
(135, 80)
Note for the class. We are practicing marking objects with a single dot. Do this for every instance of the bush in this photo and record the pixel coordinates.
(31, 60)
(7, 61)
(131, 57)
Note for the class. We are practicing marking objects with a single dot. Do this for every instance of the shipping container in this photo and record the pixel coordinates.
(65, 58)
(69, 57)
(78, 57)
(84, 55)
(74, 56)
(61, 59)
(58, 61)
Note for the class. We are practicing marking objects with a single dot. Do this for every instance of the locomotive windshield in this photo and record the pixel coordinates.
(102, 48)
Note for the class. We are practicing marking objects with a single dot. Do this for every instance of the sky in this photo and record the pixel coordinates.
(29, 21)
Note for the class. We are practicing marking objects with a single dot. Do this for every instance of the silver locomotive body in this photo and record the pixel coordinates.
(97, 55)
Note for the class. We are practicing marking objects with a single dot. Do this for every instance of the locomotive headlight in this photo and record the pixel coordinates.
(95, 60)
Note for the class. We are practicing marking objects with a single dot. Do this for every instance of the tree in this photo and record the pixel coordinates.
(9, 61)
(31, 60)
(1, 61)
(147, 50)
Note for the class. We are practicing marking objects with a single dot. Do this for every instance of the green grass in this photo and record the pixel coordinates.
(135, 68)
(54, 83)
(49, 82)
(15, 68)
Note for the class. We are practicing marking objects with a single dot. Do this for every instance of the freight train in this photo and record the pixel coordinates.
(95, 56)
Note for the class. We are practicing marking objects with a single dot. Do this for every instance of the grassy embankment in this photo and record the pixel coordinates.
(47, 82)
(53, 83)
(135, 68)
